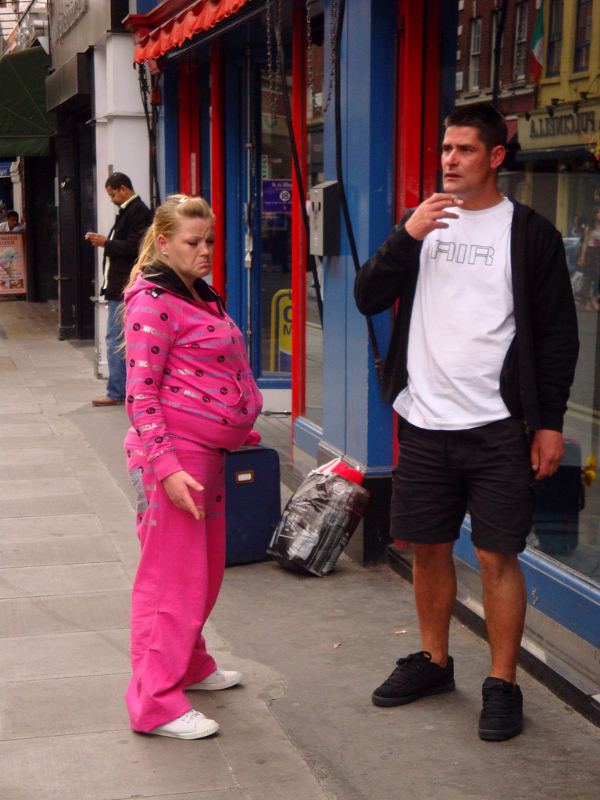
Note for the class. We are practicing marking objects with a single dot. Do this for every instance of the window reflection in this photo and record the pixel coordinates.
(552, 110)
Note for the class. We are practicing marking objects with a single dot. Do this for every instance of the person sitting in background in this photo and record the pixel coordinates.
(12, 223)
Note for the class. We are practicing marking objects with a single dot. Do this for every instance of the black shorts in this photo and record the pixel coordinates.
(443, 474)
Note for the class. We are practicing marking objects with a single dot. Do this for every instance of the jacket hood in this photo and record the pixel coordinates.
(160, 278)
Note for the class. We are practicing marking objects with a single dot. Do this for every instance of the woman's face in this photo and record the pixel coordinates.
(189, 251)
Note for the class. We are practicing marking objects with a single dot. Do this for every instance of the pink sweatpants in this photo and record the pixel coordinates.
(176, 585)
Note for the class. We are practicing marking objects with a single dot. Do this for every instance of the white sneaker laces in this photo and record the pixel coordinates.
(192, 716)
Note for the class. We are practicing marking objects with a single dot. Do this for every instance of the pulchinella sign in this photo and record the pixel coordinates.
(583, 122)
(559, 130)
(74, 10)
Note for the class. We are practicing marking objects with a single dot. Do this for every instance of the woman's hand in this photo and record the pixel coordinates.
(177, 486)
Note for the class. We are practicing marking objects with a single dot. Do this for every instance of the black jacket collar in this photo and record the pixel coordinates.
(165, 278)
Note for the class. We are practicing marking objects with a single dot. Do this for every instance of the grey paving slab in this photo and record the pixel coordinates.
(25, 430)
(23, 472)
(8, 381)
(252, 741)
(26, 405)
(38, 486)
(28, 616)
(7, 364)
(44, 506)
(66, 550)
(109, 766)
(18, 417)
(54, 356)
(58, 376)
(48, 527)
(62, 579)
(89, 704)
(77, 391)
(15, 443)
(32, 456)
(235, 793)
(64, 655)
(298, 788)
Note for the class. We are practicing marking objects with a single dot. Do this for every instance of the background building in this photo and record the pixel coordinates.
(101, 128)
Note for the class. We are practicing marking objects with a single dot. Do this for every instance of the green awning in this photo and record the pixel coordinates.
(25, 125)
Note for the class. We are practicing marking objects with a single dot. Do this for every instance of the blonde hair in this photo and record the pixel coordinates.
(166, 221)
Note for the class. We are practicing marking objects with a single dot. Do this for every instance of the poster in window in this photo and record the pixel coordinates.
(13, 267)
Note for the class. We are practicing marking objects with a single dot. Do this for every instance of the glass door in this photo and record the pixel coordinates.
(275, 232)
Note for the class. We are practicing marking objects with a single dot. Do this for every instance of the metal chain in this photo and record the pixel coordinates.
(332, 53)
(309, 56)
(270, 71)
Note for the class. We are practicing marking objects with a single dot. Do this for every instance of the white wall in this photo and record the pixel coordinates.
(121, 145)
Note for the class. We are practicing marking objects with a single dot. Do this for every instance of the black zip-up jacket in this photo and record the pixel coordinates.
(131, 223)
(540, 363)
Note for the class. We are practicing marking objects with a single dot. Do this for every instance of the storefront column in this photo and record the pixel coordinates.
(356, 421)
(121, 144)
(217, 150)
(298, 230)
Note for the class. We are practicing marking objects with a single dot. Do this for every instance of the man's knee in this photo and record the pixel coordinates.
(430, 555)
(493, 565)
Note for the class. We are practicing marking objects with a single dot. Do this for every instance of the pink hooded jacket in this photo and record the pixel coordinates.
(188, 374)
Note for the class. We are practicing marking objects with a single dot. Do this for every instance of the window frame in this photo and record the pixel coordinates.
(582, 45)
(521, 42)
(475, 30)
(494, 19)
(554, 48)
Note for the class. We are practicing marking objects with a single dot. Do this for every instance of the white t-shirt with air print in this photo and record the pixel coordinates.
(462, 323)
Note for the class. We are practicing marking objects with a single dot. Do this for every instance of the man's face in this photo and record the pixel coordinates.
(11, 221)
(118, 196)
(468, 167)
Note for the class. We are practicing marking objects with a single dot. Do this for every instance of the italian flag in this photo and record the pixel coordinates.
(537, 43)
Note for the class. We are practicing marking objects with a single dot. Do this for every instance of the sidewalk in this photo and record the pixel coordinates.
(302, 727)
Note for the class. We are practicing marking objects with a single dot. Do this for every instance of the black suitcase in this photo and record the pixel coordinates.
(558, 500)
(253, 503)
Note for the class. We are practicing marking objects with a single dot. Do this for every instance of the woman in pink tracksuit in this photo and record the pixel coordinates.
(190, 396)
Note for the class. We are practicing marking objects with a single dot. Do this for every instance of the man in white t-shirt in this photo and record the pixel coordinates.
(479, 369)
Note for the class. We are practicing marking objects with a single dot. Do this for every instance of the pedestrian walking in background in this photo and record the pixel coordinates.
(479, 369)
(589, 261)
(190, 395)
(121, 248)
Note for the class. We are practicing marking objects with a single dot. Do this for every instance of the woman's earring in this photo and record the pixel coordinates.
(164, 252)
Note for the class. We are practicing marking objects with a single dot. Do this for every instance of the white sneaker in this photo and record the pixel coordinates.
(191, 725)
(219, 679)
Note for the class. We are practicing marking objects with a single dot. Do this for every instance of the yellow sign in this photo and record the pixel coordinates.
(280, 356)
(565, 128)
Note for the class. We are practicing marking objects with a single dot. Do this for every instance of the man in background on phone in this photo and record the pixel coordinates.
(120, 253)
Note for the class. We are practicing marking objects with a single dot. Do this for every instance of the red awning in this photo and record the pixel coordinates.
(171, 23)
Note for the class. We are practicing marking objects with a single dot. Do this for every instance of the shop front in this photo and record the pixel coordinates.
(368, 85)
(235, 79)
(101, 128)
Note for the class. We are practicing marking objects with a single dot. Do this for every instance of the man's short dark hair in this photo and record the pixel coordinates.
(118, 179)
(12, 214)
(483, 116)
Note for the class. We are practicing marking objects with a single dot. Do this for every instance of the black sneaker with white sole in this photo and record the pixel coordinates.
(502, 712)
(414, 676)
